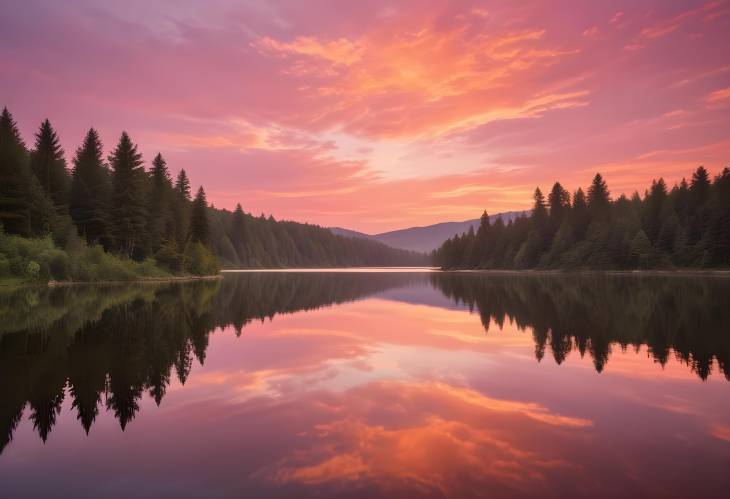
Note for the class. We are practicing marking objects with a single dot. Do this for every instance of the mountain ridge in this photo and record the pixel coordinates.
(426, 238)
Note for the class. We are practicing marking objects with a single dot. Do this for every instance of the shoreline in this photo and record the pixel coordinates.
(143, 280)
(648, 272)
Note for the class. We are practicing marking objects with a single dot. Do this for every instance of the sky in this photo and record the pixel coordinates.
(383, 114)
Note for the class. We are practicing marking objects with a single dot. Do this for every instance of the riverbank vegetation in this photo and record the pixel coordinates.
(99, 221)
(687, 226)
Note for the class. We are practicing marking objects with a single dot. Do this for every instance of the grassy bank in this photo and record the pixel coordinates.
(39, 260)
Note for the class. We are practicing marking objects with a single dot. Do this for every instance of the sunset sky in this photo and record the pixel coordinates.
(381, 115)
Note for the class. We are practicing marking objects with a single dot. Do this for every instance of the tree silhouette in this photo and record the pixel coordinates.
(128, 210)
(90, 192)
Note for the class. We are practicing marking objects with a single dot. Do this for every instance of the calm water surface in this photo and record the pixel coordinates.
(403, 385)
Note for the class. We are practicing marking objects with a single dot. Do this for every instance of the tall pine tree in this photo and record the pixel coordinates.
(160, 226)
(199, 229)
(89, 204)
(49, 166)
(128, 209)
(24, 209)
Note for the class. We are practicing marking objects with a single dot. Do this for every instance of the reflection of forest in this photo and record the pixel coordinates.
(686, 316)
(110, 345)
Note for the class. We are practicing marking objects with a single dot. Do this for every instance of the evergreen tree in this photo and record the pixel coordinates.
(49, 166)
(181, 208)
(539, 210)
(559, 202)
(182, 185)
(24, 209)
(128, 210)
(199, 229)
(160, 226)
(90, 192)
(598, 197)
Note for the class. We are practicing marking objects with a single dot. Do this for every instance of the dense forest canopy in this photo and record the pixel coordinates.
(140, 214)
(687, 226)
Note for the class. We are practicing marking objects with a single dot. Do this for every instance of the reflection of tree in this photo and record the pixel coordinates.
(684, 316)
(113, 344)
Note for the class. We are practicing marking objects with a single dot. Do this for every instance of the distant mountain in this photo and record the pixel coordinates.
(424, 239)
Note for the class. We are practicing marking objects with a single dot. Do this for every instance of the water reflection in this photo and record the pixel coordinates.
(685, 316)
(396, 392)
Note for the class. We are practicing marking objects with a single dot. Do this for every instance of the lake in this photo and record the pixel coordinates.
(371, 384)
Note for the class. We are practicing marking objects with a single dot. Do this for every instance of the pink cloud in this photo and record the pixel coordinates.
(376, 117)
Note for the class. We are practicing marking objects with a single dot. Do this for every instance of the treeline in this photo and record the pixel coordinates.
(244, 241)
(117, 205)
(140, 215)
(687, 226)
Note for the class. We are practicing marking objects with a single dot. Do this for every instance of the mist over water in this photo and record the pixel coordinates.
(368, 384)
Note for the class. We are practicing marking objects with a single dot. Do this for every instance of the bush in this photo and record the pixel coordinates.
(33, 270)
(199, 260)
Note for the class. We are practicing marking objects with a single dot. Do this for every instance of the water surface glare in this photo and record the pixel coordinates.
(368, 384)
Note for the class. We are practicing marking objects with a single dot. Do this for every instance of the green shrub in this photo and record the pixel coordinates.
(199, 260)
(33, 270)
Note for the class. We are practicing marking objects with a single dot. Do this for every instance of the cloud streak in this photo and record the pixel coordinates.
(362, 116)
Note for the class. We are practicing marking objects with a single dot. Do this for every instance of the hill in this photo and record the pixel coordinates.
(424, 239)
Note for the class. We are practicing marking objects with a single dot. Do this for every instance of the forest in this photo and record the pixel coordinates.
(113, 219)
(685, 226)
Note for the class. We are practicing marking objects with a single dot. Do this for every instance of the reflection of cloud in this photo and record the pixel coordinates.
(721, 431)
(432, 437)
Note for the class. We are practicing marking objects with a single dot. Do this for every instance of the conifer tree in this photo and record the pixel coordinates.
(128, 210)
(182, 185)
(558, 201)
(199, 229)
(598, 197)
(181, 208)
(160, 227)
(49, 166)
(539, 210)
(24, 209)
(90, 191)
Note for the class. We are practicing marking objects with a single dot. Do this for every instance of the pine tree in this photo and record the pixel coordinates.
(160, 226)
(49, 166)
(239, 236)
(539, 210)
(598, 197)
(558, 201)
(24, 210)
(181, 208)
(199, 229)
(128, 210)
(182, 185)
(90, 191)
(699, 188)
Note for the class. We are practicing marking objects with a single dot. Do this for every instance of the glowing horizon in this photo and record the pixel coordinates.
(382, 115)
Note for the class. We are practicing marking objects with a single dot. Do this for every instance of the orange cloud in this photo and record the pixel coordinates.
(451, 439)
